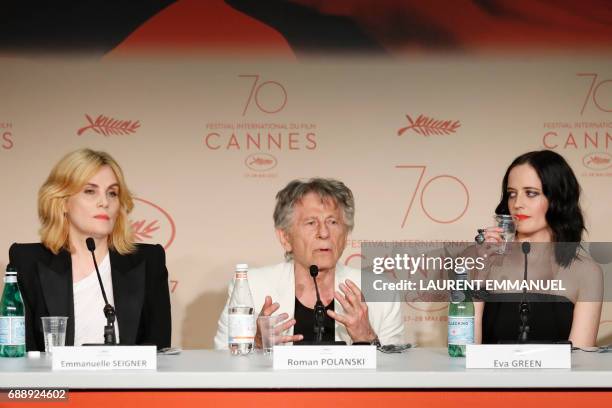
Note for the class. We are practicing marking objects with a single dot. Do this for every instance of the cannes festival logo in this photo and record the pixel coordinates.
(152, 224)
(260, 162)
(104, 125)
(597, 161)
(426, 126)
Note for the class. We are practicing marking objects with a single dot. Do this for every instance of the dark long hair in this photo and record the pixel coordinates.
(561, 188)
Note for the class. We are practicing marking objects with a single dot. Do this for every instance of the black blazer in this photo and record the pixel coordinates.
(140, 292)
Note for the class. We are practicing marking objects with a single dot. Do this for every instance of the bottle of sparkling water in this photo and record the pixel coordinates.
(460, 320)
(242, 326)
(12, 317)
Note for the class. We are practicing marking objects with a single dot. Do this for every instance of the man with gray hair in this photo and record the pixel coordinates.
(313, 219)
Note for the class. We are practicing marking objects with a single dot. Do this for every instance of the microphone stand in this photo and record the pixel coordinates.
(524, 306)
(110, 338)
(319, 311)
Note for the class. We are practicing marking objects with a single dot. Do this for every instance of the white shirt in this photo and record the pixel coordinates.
(89, 319)
(278, 281)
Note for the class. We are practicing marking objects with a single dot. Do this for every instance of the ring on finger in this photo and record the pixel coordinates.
(480, 238)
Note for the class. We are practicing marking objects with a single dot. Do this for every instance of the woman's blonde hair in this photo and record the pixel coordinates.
(67, 178)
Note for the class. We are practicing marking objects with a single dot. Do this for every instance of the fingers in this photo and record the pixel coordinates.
(282, 324)
(346, 305)
(282, 327)
(353, 302)
(285, 325)
(268, 307)
(349, 294)
(288, 339)
(493, 234)
(338, 317)
(359, 329)
(355, 289)
(266, 310)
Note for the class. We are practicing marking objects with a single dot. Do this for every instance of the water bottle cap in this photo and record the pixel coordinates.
(242, 267)
(11, 268)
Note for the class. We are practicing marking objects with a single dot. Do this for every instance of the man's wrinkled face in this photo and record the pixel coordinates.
(318, 233)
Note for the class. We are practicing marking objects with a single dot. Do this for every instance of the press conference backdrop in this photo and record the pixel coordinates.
(206, 140)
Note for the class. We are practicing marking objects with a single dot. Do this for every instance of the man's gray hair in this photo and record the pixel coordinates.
(295, 191)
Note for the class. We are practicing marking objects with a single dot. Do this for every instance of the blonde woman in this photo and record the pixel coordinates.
(86, 196)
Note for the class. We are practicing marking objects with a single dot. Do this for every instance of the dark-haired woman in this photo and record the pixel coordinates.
(541, 191)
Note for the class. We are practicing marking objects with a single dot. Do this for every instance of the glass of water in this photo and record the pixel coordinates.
(507, 223)
(54, 331)
(267, 328)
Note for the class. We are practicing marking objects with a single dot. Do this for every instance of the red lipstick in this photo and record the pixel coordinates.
(522, 217)
(102, 217)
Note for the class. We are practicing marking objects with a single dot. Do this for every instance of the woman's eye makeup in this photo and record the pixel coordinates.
(111, 193)
(528, 193)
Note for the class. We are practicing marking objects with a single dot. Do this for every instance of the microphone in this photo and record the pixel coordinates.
(524, 306)
(526, 247)
(110, 338)
(319, 311)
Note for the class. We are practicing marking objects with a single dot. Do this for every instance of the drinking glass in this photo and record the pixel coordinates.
(54, 331)
(507, 223)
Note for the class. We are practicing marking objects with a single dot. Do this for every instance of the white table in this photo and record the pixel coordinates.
(208, 369)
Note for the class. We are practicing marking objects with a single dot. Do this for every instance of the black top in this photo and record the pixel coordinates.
(140, 292)
(550, 318)
(304, 322)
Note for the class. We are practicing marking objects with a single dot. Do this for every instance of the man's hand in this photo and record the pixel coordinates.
(355, 317)
(282, 325)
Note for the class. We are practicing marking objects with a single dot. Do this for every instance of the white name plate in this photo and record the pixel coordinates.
(324, 357)
(522, 356)
(104, 358)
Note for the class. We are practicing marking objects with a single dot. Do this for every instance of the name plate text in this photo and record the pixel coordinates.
(324, 357)
(104, 358)
(521, 356)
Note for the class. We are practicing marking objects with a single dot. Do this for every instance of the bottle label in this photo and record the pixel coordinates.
(12, 331)
(242, 328)
(460, 330)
